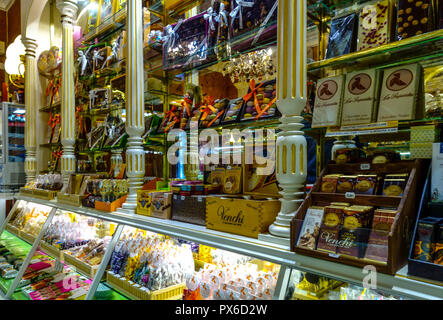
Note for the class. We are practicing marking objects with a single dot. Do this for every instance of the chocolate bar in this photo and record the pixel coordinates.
(329, 183)
(342, 38)
(373, 25)
(413, 18)
(365, 184)
(311, 228)
(330, 229)
(426, 238)
(379, 237)
(346, 184)
(394, 187)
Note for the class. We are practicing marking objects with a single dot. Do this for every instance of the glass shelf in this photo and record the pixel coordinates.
(425, 46)
(108, 27)
(54, 107)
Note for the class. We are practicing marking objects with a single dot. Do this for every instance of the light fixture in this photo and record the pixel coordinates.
(14, 64)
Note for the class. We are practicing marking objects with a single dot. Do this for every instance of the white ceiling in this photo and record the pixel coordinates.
(4, 4)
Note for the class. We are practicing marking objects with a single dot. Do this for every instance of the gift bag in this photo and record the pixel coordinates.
(342, 38)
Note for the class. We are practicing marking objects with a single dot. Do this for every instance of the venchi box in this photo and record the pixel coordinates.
(239, 216)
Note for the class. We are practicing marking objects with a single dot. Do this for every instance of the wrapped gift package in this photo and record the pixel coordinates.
(342, 38)
(374, 26)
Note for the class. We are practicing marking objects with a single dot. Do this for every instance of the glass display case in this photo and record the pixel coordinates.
(12, 141)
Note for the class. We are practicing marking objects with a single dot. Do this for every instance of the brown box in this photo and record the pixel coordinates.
(161, 203)
(330, 229)
(239, 216)
(378, 242)
(191, 209)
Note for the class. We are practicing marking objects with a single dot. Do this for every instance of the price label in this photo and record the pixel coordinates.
(228, 167)
(182, 197)
(165, 195)
(334, 255)
(175, 197)
(350, 195)
(199, 199)
(365, 166)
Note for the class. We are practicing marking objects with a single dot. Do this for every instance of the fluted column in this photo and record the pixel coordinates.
(135, 154)
(30, 98)
(291, 167)
(68, 10)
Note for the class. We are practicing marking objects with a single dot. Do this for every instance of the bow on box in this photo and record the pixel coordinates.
(170, 37)
(57, 154)
(222, 18)
(238, 11)
(210, 15)
(187, 104)
(253, 93)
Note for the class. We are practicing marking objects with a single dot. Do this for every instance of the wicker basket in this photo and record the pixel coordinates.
(128, 288)
(51, 250)
(80, 266)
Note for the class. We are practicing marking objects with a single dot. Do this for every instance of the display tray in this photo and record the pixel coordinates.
(71, 199)
(51, 250)
(80, 266)
(38, 193)
(110, 207)
(13, 230)
(398, 239)
(27, 237)
(136, 293)
(419, 268)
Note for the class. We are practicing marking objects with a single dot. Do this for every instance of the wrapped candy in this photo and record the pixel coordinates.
(233, 111)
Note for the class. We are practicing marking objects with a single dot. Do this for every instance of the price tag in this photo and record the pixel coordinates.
(182, 197)
(334, 255)
(350, 195)
(229, 167)
(199, 199)
(175, 197)
(165, 195)
(365, 166)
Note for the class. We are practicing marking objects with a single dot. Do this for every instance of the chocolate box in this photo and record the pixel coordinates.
(186, 43)
(239, 216)
(161, 203)
(258, 15)
(360, 97)
(377, 248)
(399, 96)
(374, 25)
(343, 36)
(328, 101)
(413, 18)
(233, 110)
(143, 202)
(330, 229)
(425, 239)
(191, 209)
(259, 103)
(310, 231)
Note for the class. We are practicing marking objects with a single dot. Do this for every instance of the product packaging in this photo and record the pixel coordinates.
(343, 36)
(413, 18)
(400, 98)
(437, 172)
(310, 231)
(427, 233)
(328, 101)
(260, 101)
(374, 25)
(330, 229)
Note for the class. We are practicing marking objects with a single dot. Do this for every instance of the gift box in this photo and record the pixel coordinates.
(143, 202)
(374, 26)
(171, 120)
(239, 216)
(161, 203)
(233, 110)
(258, 15)
(212, 112)
(413, 18)
(343, 36)
(185, 43)
(191, 209)
(259, 103)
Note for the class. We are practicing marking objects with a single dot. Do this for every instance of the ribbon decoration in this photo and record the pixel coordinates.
(265, 22)
(216, 117)
(187, 103)
(238, 11)
(57, 154)
(265, 108)
(221, 18)
(207, 108)
(253, 93)
(211, 16)
(169, 38)
(171, 117)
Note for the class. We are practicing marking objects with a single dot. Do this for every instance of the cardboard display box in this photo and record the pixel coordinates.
(189, 209)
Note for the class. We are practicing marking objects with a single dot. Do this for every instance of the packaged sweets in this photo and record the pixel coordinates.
(377, 248)
(384, 156)
(360, 96)
(311, 227)
(233, 180)
(394, 187)
(425, 238)
(330, 229)
(233, 111)
(347, 155)
(260, 101)
(413, 18)
(438, 250)
(366, 184)
(329, 183)
(346, 184)
(399, 96)
(212, 114)
(328, 100)
(373, 28)
(342, 38)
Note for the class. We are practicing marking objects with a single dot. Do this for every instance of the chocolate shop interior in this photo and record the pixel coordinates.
(222, 150)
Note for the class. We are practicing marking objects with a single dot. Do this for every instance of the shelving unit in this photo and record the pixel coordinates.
(399, 284)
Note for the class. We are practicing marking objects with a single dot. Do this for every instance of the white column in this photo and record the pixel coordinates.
(68, 10)
(30, 106)
(135, 154)
(291, 165)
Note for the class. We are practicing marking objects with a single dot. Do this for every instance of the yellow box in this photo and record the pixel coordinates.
(239, 216)
(144, 202)
(421, 150)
